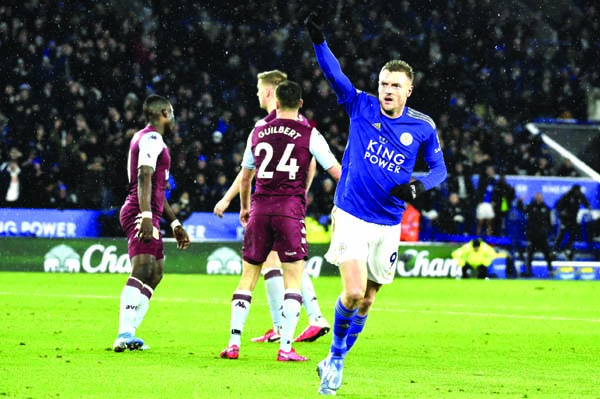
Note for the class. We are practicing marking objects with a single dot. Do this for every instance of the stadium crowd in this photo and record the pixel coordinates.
(75, 74)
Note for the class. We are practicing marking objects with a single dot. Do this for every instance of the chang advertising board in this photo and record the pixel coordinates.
(419, 263)
(109, 255)
(97, 258)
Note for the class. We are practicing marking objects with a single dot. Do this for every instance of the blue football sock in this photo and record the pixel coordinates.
(341, 325)
(358, 323)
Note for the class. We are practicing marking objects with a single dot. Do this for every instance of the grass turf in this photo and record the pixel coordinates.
(425, 338)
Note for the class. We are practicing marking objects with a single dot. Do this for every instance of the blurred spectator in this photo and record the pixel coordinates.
(200, 195)
(452, 216)
(200, 165)
(428, 205)
(516, 223)
(34, 192)
(539, 228)
(461, 182)
(180, 172)
(567, 208)
(316, 233)
(485, 209)
(219, 188)
(567, 169)
(72, 78)
(92, 190)
(61, 198)
(182, 209)
(312, 210)
(541, 167)
(324, 201)
(503, 194)
(508, 155)
(480, 162)
(474, 258)
(410, 225)
(11, 185)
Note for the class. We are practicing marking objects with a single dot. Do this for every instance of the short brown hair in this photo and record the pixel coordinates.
(399, 66)
(274, 77)
(289, 95)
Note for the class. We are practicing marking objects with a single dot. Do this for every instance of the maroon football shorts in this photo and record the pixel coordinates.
(129, 218)
(285, 235)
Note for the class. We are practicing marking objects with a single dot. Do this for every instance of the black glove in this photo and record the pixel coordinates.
(314, 26)
(408, 191)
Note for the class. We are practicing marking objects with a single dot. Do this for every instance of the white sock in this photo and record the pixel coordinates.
(309, 299)
(130, 300)
(144, 305)
(240, 308)
(274, 288)
(292, 303)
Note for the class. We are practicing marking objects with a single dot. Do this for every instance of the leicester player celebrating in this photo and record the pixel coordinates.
(384, 140)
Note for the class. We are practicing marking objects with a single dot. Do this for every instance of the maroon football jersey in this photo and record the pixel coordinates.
(282, 157)
(273, 115)
(153, 153)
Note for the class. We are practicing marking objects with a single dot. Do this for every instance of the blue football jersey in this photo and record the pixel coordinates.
(381, 152)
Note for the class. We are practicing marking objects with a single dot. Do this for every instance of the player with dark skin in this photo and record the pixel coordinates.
(148, 170)
(145, 266)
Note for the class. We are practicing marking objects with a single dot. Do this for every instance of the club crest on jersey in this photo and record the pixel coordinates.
(406, 138)
(376, 125)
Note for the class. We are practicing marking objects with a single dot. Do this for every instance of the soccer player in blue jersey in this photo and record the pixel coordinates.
(384, 140)
(279, 154)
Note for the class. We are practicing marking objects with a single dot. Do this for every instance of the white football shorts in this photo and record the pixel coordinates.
(375, 244)
(485, 211)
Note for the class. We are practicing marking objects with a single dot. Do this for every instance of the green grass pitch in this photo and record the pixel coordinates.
(425, 338)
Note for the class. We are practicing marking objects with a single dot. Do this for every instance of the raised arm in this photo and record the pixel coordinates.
(332, 70)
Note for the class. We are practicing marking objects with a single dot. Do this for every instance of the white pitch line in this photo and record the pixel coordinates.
(491, 314)
(217, 301)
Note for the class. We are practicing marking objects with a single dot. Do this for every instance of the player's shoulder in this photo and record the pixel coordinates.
(151, 138)
(303, 120)
(269, 118)
(368, 103)
(419, 116)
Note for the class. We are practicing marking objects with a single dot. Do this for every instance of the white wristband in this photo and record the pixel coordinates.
(146, 215)
(175, 223)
